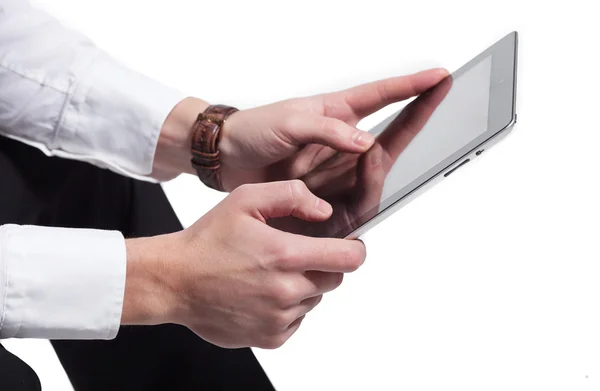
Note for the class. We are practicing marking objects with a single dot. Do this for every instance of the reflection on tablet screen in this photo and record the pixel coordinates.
(408, 144)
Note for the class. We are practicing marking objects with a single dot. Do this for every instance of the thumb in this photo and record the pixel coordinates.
(281, 199)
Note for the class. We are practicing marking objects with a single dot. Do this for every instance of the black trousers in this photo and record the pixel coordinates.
(36, 189)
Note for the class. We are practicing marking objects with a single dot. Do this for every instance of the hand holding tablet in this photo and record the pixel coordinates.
(444, 128)
(353, 184)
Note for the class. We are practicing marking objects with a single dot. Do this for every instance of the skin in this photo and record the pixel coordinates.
(353, 183)
(234, 277)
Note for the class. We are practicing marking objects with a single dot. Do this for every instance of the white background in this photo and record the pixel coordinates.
(490, 281)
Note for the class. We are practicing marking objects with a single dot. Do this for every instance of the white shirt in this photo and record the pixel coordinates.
(61, 94)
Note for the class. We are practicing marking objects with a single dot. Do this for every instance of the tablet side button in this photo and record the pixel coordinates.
(457, 167)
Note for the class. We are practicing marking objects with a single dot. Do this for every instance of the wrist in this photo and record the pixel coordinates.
(227, 145)
(148, 298)
(173, 152)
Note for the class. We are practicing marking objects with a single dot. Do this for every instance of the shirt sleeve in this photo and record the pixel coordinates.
(60, 283)
(61, 94)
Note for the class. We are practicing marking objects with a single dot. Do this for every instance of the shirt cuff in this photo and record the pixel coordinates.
(114, 117)
(61, 283)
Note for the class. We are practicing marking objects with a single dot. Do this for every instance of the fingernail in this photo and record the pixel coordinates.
(323, 207)
(363, 139)
(442, 72)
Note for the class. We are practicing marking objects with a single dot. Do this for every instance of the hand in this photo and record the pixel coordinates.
(353, 183)
(288, 139)
(230, 277)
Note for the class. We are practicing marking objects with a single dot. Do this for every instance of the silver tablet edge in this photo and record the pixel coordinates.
(431, 182)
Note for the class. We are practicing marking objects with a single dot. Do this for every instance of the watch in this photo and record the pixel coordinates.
(206, 135)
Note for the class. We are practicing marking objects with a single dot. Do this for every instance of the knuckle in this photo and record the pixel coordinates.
(383, 91)
(242, 192)
(296, 189)
(280, 321)
(282, 255)
(285, 293)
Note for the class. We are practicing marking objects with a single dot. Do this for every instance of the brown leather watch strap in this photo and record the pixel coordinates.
(205, 144)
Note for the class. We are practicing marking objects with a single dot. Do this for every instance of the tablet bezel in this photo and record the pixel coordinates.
(501, 117)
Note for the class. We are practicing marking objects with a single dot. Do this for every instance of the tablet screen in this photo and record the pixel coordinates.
(411, 145)
(459, 118)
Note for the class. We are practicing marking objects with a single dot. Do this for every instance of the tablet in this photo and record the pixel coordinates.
(440, 131)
